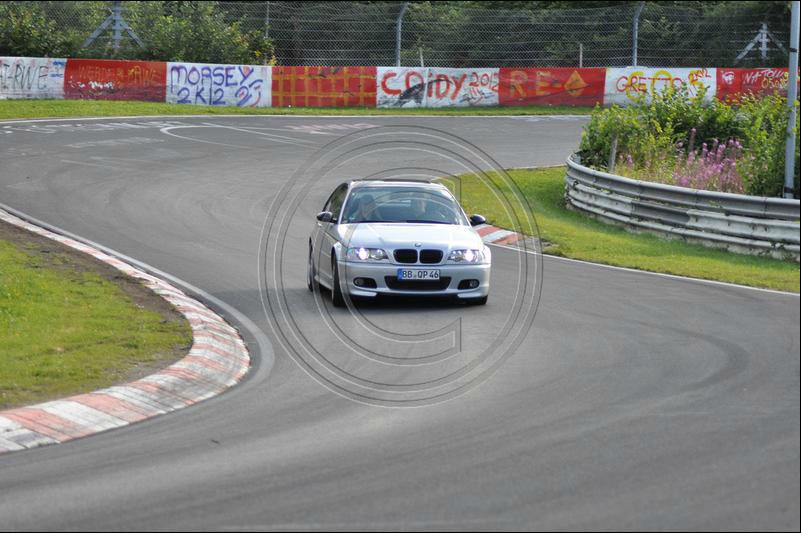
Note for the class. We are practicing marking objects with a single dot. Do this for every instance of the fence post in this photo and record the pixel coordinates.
(581, 55)
(267, 20)
(610, 165)
(792, 95)
(635, 33)
(398, 36)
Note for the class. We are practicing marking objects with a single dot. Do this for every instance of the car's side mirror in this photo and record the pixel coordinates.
(477, 220)
(325, 216)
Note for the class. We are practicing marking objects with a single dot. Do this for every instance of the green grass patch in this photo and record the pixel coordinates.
(67, 328)
(571, 234)
(17, 109)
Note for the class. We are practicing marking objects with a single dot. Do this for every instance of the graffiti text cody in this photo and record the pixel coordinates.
(464, 85)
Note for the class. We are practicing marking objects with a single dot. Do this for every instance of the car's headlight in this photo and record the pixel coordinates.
(466, 256)
(366, 254)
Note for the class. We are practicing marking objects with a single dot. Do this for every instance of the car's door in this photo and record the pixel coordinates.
(328, 233)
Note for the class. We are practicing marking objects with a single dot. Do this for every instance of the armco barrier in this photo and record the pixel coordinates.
(736, 222)
(318, 86)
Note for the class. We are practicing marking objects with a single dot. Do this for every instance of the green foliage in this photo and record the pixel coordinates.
(27, 31)
(172, 31)
(763, 126)
(195, 31)
(655, 132)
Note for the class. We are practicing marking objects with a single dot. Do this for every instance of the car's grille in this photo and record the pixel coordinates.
(406, 256)
(430, 256)
(417, 285)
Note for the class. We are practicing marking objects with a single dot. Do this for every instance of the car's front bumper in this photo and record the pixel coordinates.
(379, 272)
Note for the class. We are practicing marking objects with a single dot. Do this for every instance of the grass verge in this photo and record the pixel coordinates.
(70, 324)
(11, 109)
(571, 234)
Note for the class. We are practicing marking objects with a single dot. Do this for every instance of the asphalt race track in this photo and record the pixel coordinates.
(635, 401)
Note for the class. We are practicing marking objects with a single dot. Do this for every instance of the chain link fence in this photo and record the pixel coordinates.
(674, 34)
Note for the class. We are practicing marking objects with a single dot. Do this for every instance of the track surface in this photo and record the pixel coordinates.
(635, 401)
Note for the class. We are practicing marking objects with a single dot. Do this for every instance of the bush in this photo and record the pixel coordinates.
(25, 30)
(670, 136)
(194, 31)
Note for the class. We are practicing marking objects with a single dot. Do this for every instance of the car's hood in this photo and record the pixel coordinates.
(392, 236)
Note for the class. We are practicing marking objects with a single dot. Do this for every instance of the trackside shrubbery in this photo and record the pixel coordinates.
(173, 31)
(691, 141)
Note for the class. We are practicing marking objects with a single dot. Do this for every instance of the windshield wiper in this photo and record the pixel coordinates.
(428, 222)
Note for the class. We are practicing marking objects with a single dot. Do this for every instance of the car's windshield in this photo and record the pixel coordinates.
(402, 204)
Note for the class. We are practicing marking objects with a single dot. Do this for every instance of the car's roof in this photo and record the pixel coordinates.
(397, 182)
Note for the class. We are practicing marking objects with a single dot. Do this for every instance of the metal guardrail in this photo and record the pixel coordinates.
(736, 222)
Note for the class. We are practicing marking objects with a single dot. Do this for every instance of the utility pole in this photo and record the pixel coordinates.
(635, 34)
(792, 96)
(398, 33)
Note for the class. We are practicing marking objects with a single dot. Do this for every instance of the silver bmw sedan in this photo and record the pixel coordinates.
(400, 237)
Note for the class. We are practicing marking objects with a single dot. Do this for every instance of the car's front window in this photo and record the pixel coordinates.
(402, 204)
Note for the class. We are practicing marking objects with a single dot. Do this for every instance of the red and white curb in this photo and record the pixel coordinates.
(492, 235)
(217, 361)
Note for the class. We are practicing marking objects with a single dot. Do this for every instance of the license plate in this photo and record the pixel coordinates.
(417, 274)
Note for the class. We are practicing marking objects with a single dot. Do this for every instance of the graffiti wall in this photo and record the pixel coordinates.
(733, 83)
(324, 86)
(387, 87)
(31, 77)
(436, 87)
(552, 86)
(625, 85)
(204, 84)
(96, 79)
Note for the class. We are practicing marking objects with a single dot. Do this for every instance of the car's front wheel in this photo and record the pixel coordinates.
(310, 274)
(336, 293)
